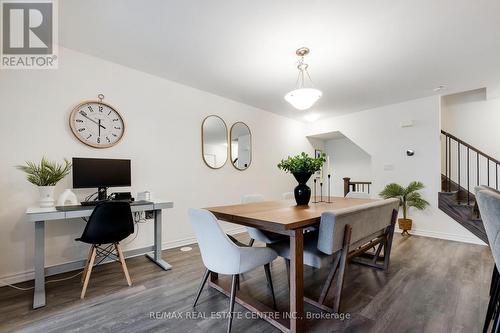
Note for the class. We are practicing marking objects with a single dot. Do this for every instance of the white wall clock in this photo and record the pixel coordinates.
(97, 124)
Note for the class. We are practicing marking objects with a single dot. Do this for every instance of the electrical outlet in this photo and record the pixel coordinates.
(150, 215)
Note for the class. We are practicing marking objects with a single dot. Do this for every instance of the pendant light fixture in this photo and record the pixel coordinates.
(302, 97)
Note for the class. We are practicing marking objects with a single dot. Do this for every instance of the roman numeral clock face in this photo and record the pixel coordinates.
(97, 124)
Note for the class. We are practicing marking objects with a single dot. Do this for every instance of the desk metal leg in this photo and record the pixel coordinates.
(156, 256)
(39, 293)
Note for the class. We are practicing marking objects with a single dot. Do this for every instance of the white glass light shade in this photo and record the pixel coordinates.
(303, 98)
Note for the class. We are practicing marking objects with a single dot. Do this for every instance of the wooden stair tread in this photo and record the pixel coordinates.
(462, 213)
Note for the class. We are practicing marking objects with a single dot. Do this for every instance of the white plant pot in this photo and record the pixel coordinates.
(46, 196)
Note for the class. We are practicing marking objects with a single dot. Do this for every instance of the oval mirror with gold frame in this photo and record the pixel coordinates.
(214, 142)
(241, 146)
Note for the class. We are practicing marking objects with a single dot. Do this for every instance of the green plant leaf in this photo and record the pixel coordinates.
(408, 197)
(415, 199)
(392, 190)
(302, 163)
(45, 173)
(413, 187)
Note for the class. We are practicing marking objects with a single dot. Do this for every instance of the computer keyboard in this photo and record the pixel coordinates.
(92, 202)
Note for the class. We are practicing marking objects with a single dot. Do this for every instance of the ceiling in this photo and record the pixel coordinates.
(364, 54)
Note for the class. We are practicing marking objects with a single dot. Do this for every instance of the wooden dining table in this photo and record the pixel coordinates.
(286, 218)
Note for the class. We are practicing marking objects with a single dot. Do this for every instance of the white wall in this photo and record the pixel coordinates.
(378, 132)
(162, 139)
(346, 160)
(474, 119)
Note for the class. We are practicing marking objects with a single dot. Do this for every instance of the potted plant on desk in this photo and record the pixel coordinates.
(45, 175)
(408, 197)
(302, 167)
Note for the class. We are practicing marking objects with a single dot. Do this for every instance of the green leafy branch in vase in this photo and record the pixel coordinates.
(302, 163)
(45, 173)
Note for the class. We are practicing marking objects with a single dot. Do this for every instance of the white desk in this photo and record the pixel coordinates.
(39, 216)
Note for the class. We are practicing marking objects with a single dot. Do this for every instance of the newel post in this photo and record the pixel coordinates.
(347, 181)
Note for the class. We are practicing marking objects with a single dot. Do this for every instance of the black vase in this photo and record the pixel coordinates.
(302, 191)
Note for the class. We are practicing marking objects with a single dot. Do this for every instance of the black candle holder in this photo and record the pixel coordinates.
(314, 190)
(321, 192)
(329, 180)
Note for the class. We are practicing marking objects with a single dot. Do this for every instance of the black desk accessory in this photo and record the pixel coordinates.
(121, 196)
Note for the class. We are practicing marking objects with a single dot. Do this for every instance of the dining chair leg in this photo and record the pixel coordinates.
(287, 265)
(267, 269)
(231, 301)
(329, 280)
(202, 284)
(122, 261)
(87, 264)
(494, 279)
(496, 326)
(342, 267)
(388, 240)
(88, 272)
(491, 307)
(251, 242)
(376, 255)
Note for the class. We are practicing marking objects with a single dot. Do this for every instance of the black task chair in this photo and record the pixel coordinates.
(110, 223)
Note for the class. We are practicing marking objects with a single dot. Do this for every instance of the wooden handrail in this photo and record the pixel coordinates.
(465, 144)
(355, 185)
(465, 170)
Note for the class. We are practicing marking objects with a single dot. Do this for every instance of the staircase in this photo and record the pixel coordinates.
(465, 167)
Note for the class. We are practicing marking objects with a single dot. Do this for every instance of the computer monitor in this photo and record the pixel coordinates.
(100, 173)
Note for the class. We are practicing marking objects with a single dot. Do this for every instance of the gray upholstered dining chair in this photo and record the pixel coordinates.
(488, 200)
(256, 234)
(222, 255)
(349, 228)
(485, 187)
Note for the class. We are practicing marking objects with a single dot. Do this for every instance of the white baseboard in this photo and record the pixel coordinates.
(30, 275)
(16, 278)
(447, 236)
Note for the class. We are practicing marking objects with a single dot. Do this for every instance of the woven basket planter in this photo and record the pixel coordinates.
(405, 225)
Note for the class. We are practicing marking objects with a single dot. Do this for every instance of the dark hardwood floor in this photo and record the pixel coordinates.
(432, 286)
